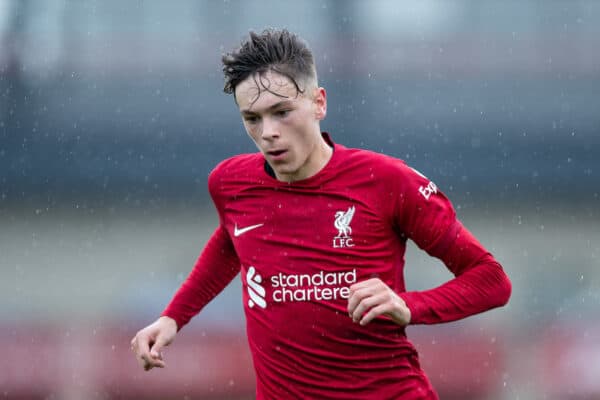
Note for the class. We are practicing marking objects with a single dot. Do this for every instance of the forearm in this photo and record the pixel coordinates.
(480, 283)
(216, 267)
(479, 289)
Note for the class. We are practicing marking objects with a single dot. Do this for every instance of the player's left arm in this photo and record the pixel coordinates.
(480, 283)
(428, 218)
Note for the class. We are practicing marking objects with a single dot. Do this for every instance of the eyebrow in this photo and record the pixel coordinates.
(274, 106)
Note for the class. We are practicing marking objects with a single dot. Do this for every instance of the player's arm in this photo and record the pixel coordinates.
(428, 218)
(215, 269)
(480, 283)
(425, 215)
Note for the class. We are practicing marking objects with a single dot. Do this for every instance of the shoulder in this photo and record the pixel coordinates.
(234, 171)
(384, 166)
(390, 175)
(236, 164)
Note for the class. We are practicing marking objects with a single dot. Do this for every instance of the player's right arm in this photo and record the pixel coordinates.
(215, 269)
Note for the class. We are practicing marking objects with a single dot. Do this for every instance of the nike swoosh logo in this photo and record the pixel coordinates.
(237, 232)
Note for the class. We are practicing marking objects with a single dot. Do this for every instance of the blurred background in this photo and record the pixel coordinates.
(112, 115)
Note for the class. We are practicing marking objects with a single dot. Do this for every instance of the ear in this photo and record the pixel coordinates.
(320, 99)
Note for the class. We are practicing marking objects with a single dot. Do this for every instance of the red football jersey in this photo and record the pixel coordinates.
(300, 245)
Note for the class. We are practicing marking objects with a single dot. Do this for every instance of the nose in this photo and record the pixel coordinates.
(270, 129)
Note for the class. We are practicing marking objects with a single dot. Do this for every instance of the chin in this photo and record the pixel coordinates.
(286, 172)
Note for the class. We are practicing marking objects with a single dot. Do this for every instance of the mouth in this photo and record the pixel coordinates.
(276, 155)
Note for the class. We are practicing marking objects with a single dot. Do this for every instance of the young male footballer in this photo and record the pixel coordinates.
(318, 232)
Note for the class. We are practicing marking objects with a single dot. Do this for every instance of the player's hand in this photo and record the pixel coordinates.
(148, 342)
(372, 298)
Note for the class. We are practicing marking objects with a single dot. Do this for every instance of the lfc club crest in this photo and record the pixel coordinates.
(342, 224)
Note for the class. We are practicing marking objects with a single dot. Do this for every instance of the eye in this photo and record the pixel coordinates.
(251, 119)
(282, 113)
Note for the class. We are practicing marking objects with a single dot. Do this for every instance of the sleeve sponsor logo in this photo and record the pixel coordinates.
(428, 191)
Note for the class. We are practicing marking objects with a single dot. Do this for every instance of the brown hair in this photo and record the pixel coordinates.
(272, 50)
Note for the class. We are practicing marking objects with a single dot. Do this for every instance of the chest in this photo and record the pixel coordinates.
(296, 224)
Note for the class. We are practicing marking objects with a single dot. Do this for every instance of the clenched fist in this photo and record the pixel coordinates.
(372, 298)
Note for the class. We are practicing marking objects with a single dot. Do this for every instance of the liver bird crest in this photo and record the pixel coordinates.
(342, 222)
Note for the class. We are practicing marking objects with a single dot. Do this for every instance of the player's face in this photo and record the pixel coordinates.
(284, 124)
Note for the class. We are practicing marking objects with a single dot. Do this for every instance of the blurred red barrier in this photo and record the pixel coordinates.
(461, 364)
(87, 362)
(82, 363)
(570, 361)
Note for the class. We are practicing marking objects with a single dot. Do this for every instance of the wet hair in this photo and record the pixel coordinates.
(272, 50)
